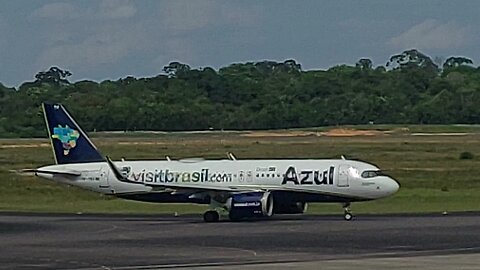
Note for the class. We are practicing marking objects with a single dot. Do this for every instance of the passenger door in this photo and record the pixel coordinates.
(104, 178)
(343, 176)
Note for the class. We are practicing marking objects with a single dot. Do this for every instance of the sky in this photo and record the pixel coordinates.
(111, 39)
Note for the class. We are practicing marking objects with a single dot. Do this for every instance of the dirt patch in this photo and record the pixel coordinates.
(343, 132)
(25, 145)
(441, 134)
(140, 143)
(280, 134)
(336, 132)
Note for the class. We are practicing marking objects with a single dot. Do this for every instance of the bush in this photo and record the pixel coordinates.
(466, 155)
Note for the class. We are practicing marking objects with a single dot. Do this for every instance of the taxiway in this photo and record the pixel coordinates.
(60, 241)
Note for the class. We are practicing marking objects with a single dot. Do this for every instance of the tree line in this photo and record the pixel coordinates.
(410, 88)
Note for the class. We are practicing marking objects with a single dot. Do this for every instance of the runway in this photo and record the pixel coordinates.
(56, 241)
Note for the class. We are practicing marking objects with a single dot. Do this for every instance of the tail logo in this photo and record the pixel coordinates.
(67, 136)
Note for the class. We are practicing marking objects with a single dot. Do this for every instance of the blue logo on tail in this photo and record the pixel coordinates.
(67, 136)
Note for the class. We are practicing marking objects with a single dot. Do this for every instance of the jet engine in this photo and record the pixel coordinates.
(290, 208)
(250, 205)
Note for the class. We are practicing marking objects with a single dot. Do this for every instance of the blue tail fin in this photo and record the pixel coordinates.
(70, 144)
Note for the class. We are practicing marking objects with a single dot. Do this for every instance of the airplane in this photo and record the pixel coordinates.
(241, 189)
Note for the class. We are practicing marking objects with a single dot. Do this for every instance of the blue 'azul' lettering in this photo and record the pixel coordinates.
(309, 177)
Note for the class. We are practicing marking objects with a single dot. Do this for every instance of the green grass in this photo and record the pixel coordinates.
(432, 176)
(412, 201)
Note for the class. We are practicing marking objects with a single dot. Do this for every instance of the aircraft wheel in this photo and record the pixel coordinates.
(347, 215)
(211, 216)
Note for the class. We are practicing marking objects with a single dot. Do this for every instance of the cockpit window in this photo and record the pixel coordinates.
(370, 174)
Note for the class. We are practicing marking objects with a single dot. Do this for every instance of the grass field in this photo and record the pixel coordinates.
(432, 176)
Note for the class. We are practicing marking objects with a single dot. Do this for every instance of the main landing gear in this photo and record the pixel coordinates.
(347, 214)
(211, 216)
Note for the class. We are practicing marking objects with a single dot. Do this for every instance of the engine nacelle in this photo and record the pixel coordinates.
(290, 208)
(250, 205)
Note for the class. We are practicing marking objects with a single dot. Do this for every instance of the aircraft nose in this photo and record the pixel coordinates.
(392, 186)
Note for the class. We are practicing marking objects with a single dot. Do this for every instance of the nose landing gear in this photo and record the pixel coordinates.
(347, 214)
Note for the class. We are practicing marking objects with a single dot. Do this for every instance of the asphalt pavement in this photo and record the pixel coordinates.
(60, 241)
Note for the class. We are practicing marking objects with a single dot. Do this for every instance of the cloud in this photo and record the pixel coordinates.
(2, 40)
(105, 35)
(106, 46)
(184, 15)
(106, 9)
(117, 9)
(241, 15)
(431, 34)
(58, 11)
(94, 38)
(184, 25)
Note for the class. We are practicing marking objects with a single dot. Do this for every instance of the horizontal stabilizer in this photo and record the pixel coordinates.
(67, 173)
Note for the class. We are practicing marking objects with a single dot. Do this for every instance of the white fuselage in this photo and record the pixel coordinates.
(325, 177)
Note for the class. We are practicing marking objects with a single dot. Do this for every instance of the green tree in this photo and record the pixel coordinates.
(254, 95)
(174, 69)
(54, 76)
(412, 59)
(453, 62)
(364, 64)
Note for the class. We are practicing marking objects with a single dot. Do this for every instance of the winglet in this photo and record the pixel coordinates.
(116, 172)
